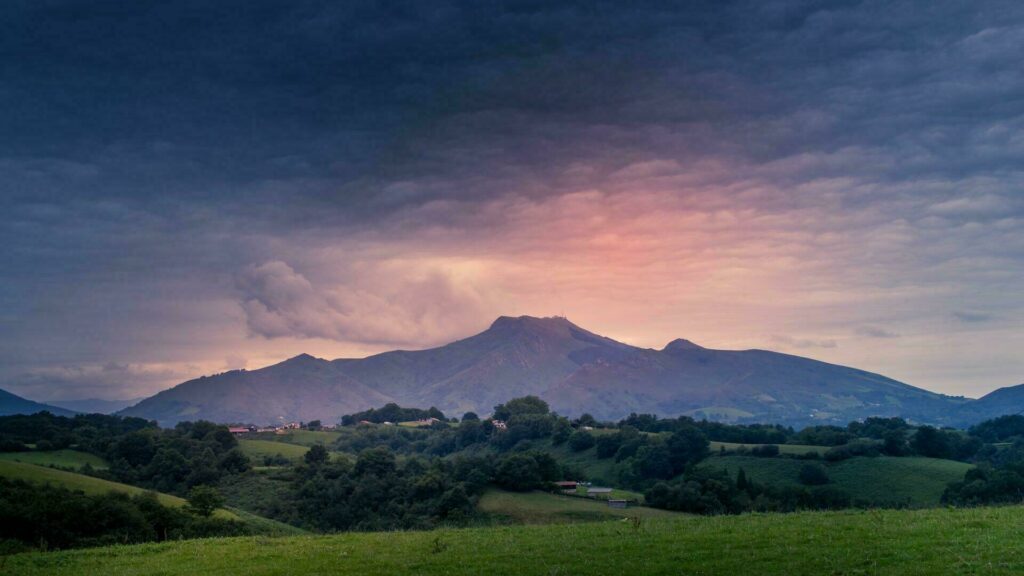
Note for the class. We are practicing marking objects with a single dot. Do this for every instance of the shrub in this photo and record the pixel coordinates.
(813, 475)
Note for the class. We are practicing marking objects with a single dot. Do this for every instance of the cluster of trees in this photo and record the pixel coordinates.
(138, 452)
(704, 491)
(49, 517)
(391, 413)
(998, 477)
(377, 491)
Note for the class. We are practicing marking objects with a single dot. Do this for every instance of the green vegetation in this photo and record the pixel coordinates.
(257, 450)
(796, 449)
(546, 508)
(305, 438)
(87, 484)
(913, 481)
(972, 541)
(60, 458)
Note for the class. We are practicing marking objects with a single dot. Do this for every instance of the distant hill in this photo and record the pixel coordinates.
(95, 405)
(12, 404)
(575, 370)
(1008, 400)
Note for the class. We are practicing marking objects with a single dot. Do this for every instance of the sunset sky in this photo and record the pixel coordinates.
(197, 186)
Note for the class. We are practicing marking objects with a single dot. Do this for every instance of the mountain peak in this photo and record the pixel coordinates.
(528, 321)
(681, 344)
(302, 359)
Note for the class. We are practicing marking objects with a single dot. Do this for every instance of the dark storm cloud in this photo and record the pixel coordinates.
(154, 153)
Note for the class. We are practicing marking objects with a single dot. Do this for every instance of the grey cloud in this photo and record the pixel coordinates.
(876, 332)
(972, 317)
(397, 309)
(802, 343)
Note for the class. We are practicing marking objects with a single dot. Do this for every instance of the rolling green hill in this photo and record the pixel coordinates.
(90, 485)
(919, 481)
(975, 541)
(61, 458)
(87, 484)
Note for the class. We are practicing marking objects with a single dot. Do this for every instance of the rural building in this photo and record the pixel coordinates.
(499, 424)
(597, 491)
(618, 504)
(241, 429)
(567, 486)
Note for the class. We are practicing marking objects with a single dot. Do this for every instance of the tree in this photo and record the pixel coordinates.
(581, 440)
(316, 455)
(931, 442)
(314, 425)
(561, 431)
(520, 406)
(687, 446)
(203, 500)
(813, 475)
(470, 416)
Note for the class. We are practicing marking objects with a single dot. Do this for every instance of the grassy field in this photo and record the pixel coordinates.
(257, 449)
(783, 448)
(919, 481)
(62, 458)
(305, 438)
(977, 541)
(545, 508)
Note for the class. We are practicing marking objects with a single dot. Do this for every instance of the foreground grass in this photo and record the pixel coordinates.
(979, 541)
(545, 508)
(884, 479)
(63, 458)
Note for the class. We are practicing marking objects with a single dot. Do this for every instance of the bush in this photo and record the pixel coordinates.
(581, 440)
(765, 451)
(813, 475)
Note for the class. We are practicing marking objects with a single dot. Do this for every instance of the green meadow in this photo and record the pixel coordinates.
(545, 508)
(61, 458)
(915, 481)
(978, 541)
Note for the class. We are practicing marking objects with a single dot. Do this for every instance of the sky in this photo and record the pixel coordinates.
(190, 187)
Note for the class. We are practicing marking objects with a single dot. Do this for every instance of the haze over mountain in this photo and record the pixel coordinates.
(575, 370)
(12, 404)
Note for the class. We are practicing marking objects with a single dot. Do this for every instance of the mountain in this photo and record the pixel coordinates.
(12, 404)
(95, 405)
(575, 370)
(1008, 400)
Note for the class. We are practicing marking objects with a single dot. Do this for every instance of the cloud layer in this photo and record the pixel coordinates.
(193, 186)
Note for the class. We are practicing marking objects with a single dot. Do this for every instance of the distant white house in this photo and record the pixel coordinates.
(499, 424)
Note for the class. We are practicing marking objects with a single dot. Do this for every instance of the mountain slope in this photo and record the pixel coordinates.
(11, 404)
(1008, 400)
(575, 370)
(302, 388)
(95, 405)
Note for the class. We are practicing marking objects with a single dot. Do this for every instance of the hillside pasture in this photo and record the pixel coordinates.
(258, 449)
(795, 449)
(305, 438)
(915, 481)
(888, 542)
(546, 508)
(60, 458)
(87, 484)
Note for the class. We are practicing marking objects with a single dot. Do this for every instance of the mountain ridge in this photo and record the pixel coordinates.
(11, 404)
(574, 369)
